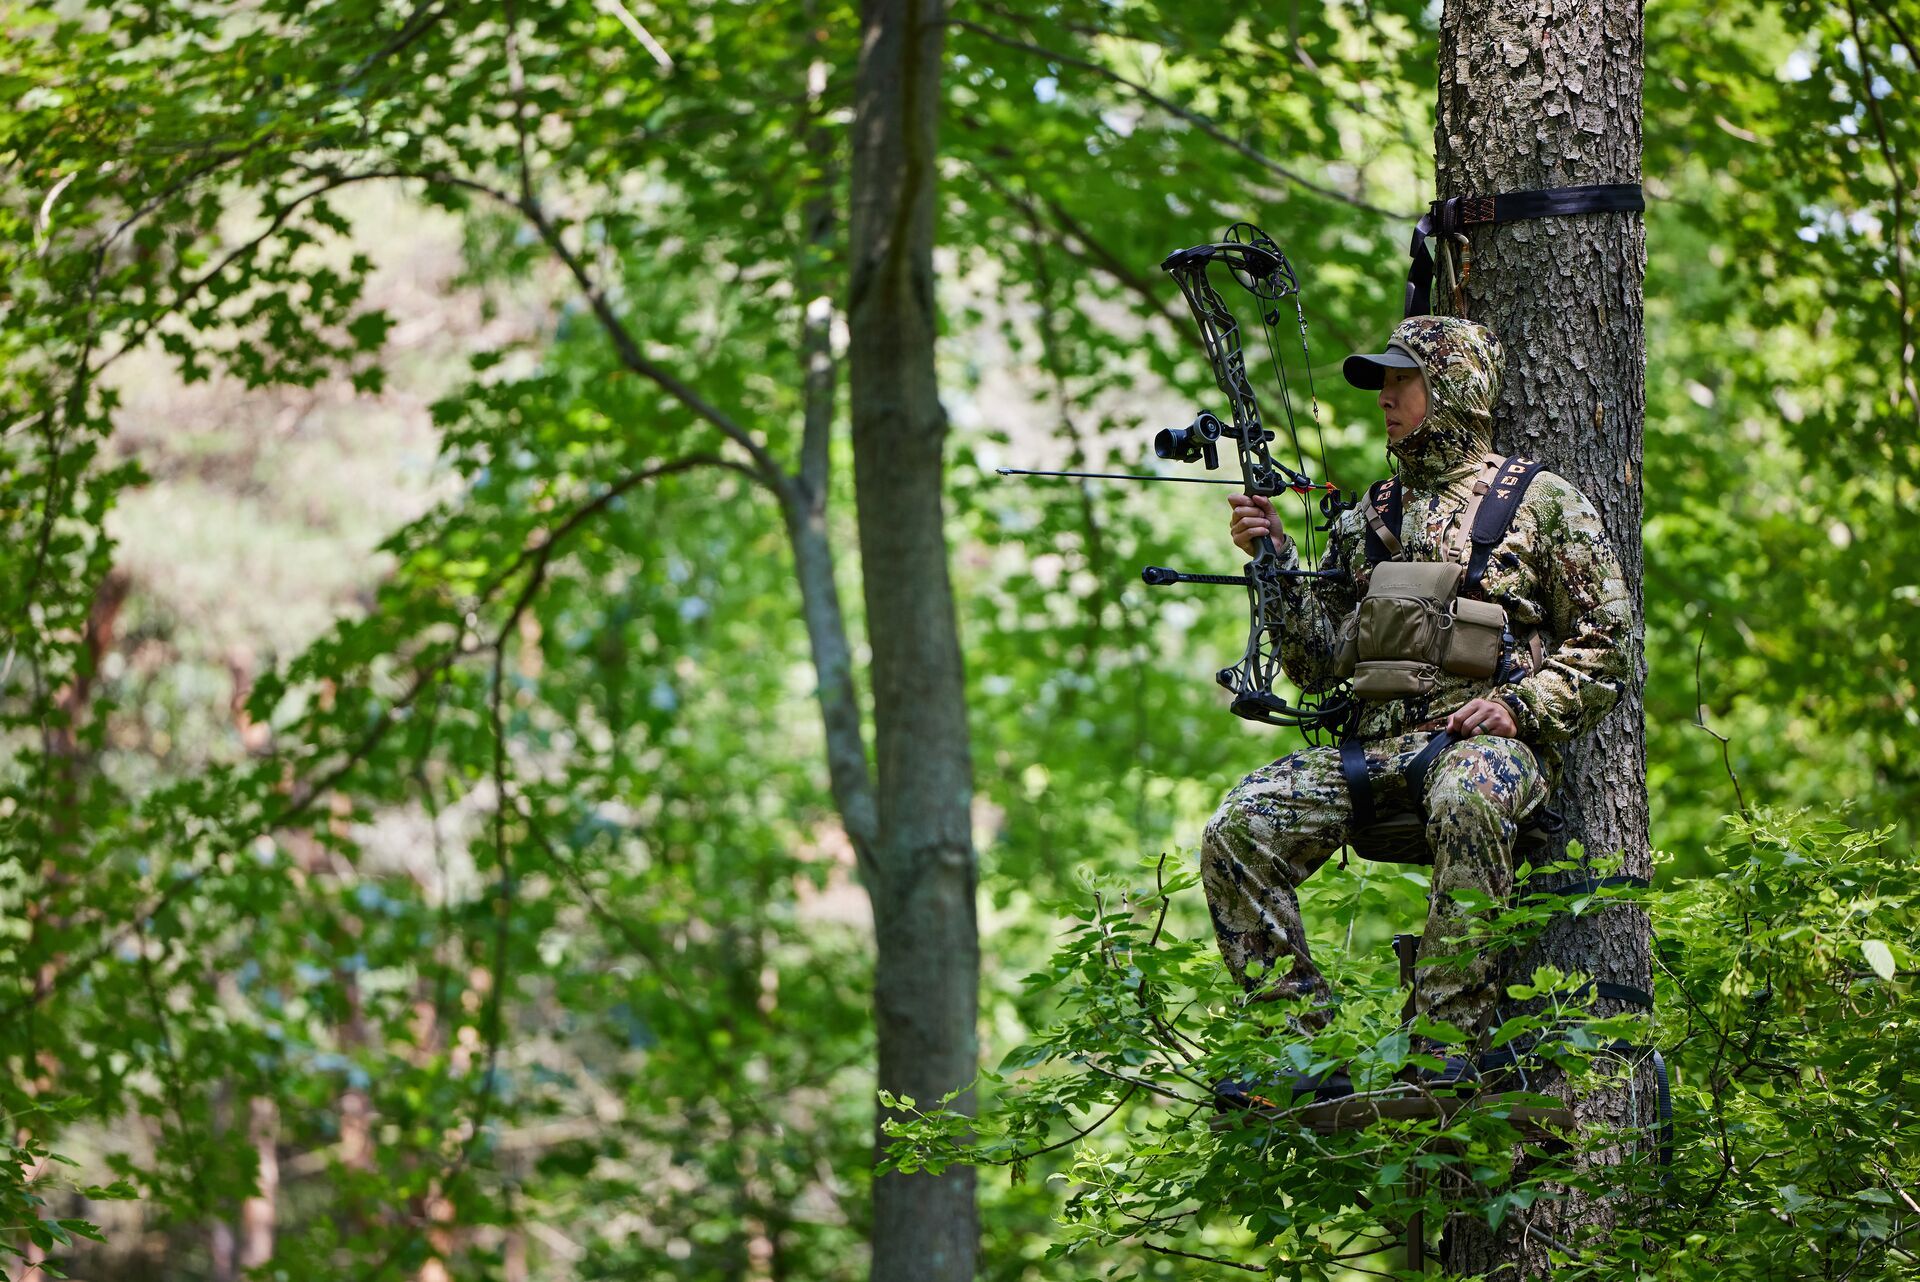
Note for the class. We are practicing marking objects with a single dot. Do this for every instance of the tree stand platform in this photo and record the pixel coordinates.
(1548, 1123)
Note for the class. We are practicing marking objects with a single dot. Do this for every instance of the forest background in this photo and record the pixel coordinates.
(421, 857)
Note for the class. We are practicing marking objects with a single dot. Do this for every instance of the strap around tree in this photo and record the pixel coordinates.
(1448, 217)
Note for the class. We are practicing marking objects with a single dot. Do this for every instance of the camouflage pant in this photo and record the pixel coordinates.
(1282, 822)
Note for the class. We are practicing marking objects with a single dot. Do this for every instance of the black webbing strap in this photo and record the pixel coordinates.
(1588, 885)
(1666, 1112)
(1607, 990)
(1353, 768)
(1495, 517)
(1515, 1057)
(1382, 512)
(1445, 217)
(1418, 767)
(1491, 521)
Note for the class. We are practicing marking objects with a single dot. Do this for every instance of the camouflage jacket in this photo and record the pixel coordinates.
(1554, 572)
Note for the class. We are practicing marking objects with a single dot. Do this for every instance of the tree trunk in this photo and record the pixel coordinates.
(259, 1213)
(926, 980)
(1548, 95)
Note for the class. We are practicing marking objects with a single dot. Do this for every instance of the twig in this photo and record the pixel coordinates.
(626, 19)
(1205, 1259)
(1700, 720)
(317, 787)
(1082, 1133)
(1151, 1087)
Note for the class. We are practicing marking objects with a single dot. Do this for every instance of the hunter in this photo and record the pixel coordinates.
(1566, 651)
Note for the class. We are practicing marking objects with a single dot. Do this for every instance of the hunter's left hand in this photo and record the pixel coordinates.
(1482, 716)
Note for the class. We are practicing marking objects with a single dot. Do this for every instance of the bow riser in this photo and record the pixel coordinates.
(1262, 269)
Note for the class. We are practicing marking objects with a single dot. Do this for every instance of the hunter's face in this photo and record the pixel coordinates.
(1403, 401)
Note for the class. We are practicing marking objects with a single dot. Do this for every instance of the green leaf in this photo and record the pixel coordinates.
(1879, 956)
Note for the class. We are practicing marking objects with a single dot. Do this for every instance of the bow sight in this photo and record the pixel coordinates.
(1258, 266)
(1191, 444)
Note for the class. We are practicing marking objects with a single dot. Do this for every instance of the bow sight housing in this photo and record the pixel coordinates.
(1191, 444)
(1198, 440)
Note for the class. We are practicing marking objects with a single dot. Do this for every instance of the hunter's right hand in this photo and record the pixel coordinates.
(1252, 518)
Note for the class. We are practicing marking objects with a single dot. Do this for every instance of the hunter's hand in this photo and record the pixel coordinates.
(1482, 716)
(1253, 517)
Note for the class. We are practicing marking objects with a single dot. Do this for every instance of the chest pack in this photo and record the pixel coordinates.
(1421, 618)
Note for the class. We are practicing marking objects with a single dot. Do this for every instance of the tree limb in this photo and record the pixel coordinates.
(1193, 118)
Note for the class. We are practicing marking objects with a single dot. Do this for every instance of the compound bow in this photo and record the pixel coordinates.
(1258, 265)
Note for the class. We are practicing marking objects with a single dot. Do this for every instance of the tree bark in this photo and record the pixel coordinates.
(1536, 95)
(926, 979)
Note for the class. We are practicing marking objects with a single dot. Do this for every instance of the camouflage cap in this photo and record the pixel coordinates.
(1368, 370)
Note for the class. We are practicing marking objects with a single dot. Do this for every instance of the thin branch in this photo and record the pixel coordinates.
(1204, 1259)
(1700, 720)
(1166, 900)
(193, 288)
(624, 343)
(626, 19)
(1092, 250)
(1198, 121)
(1899, 231)
(1082, 1133)
(1150, 1087)
(629, 349)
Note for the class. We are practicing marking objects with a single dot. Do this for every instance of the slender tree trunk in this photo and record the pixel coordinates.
(259, 1212)
(926, 981)
(1548, 95)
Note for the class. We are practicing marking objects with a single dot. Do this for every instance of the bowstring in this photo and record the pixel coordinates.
(1313, 397)
(1286, 407)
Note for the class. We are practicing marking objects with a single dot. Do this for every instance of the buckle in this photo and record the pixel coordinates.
(1450, 215)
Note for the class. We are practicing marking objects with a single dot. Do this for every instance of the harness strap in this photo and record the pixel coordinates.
(1588, 885)
(1494, 517)
(1353, 769)
(1666, 1112)
(1490, 464)
(1610, 991)
(1382, 513)
(1515, 1057)
(1446, 217)
(1418, 767)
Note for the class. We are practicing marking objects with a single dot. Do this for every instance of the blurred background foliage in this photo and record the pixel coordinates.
(415, 807)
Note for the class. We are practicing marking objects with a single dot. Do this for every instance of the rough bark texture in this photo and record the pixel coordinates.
(924, 921)
(1533, 94)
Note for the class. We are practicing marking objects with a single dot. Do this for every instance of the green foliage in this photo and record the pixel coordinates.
(530, 856)
(1788, 984)
(1789, 1051)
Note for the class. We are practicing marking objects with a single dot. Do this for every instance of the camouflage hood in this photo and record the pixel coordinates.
(1462, 362)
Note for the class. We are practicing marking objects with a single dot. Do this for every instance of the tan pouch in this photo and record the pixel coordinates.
(1404, 614)
(1393, 678)
(1349, 653)
(1473, 639)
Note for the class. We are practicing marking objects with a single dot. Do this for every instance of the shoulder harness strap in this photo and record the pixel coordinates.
(1495, 514)
(1382, 513)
